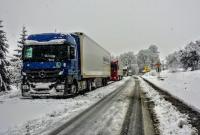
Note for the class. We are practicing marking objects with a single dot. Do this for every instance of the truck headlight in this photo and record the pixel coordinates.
(61, 73)
(60, 87)
(64, 64)
(23, 73)
(25, 87)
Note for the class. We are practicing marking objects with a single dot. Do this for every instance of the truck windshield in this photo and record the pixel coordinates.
(113, 67)
(45, 52)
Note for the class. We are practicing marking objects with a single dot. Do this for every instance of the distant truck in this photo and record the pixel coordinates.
(56, 64)
(125, 71)
(116, 71)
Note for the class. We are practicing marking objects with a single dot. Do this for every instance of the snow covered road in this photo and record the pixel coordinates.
(27, 116)
(133, 123)
(105, 117)
(118, 113)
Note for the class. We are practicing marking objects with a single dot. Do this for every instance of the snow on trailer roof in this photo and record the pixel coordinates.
(83, 34)
(49, 38)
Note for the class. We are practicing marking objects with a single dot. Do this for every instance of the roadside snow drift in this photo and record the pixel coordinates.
(183, 85)
(171, 121)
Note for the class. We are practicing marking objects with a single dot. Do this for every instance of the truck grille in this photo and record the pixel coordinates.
(43, 76)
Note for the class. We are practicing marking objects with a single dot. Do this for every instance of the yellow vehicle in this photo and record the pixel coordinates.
(146, 69)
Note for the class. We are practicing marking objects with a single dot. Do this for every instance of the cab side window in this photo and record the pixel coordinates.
(72, 52)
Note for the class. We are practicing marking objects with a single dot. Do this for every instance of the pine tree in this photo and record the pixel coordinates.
(21, 43)
(4, 77)
(16, 62)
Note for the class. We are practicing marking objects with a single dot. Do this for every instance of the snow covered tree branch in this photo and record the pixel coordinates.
(4, 77)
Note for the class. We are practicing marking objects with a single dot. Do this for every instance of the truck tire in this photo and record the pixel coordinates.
(66, 89)
(105, 81)
(22, 92)
(89, 85)
(74, 89)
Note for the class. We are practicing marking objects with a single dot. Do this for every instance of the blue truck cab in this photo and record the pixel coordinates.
(51, 65)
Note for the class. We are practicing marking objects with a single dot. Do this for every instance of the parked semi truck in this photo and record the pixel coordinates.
(56, 64)
(116, 71)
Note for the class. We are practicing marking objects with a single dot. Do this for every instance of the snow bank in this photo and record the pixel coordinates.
(14, 92)
(171, 121)
(184, 85)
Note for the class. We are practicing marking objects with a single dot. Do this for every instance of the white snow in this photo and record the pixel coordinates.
(55, 41)
(183, 85)
(171, 121)
(23, 116)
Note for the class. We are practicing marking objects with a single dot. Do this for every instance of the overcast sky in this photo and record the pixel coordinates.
(117, 25)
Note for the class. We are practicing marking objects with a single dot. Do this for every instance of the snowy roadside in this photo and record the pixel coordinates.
(183, 85)
(28, 116)
(14, 92)
(171, 121)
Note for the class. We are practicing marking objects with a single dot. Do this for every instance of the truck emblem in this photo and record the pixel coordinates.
(42, 74)
(58, 64)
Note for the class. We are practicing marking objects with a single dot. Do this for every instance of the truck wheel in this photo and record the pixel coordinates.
(22, 92)
(74, 89)
(105, 82)
(66, 89)
(89, 86)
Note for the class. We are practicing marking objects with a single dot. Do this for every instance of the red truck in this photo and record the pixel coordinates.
(116, 71)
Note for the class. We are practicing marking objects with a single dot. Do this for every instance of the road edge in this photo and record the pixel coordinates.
(147, 121)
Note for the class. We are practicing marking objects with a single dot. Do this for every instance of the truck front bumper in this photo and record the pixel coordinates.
(50, 93)
(28, 91)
